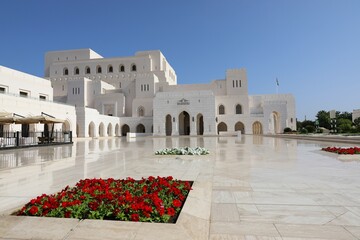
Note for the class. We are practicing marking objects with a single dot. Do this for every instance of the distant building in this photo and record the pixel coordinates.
(355, 114)
(102, 97)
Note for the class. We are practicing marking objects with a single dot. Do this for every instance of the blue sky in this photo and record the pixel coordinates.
(311, 46)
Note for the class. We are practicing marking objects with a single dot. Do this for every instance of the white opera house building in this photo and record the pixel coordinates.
(101, 97)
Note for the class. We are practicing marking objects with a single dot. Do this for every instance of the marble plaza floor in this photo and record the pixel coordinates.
(248, 188)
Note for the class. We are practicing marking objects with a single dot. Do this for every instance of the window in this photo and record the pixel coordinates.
(2, 90)
(110, 69)
(66, 71)
(23, 94)
(122, 68)
(76, 71)
(119, 84)
(133, 68)
(236, 83)
(98, 69)
(238, 109)
(63, 87)
(141, 87)
(42, 97)
(141, 111)
(87, 70)
(221, 109)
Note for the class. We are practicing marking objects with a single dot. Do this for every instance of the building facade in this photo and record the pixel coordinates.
(104, 97)
(25, 95)
(113, 96)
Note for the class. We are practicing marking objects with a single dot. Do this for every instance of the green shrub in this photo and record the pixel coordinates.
(310, 128)
(287, 130)
(303, 131)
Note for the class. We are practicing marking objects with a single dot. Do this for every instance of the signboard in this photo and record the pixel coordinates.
(183, 101)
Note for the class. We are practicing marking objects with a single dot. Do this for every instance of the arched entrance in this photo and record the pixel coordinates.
(101, 130)
(117, 130)
(125, 129)
(91, 129)
(168, 125)
(140, 128)
(257, 128)
(184, 123)
(222, 127)
(275, 123)
(200, 124)
(109, 129)
(66, 126)
(239, 126)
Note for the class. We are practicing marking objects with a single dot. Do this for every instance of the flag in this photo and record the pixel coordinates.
(277, 82)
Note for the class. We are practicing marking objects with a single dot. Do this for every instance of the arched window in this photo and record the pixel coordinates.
(110, 69)
(66, 71)
(76, 71)
(133, 68)
(238, 109)
(121, 68)
(87, 70)
(98, 69)
(141, 111)
(221, 109)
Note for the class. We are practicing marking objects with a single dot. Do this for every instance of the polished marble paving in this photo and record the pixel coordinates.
(249, 187)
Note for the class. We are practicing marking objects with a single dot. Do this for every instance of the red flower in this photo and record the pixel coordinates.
(135, 217)
(149, 199)
(171, 211)
(67, 214)
(33, 210)
(93, 206)
(176, 203)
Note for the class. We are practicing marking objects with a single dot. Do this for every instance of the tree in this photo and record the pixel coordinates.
(324, 119)
(344, 125)
(357, 124)
(344, 115)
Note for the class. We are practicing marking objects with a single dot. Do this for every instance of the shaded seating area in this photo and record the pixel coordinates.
(31, 138)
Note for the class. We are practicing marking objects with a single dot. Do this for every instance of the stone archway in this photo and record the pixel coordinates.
(101, 130)
(257, 128)
(168, 125)
(66, 126)
(200, 124)
(117, 130)
(275, 121)
(222, 127)
(184, 123)
(140, 128)
(91, 130)
(109, 130)
(125, 129)
(239, 126)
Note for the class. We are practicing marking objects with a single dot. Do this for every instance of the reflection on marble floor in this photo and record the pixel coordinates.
(249, 187)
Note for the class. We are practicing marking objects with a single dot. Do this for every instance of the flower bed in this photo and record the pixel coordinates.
(183, 151)
(350, 151)
(147, 200)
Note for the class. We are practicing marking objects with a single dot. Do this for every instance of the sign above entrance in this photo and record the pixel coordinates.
(183, 101)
